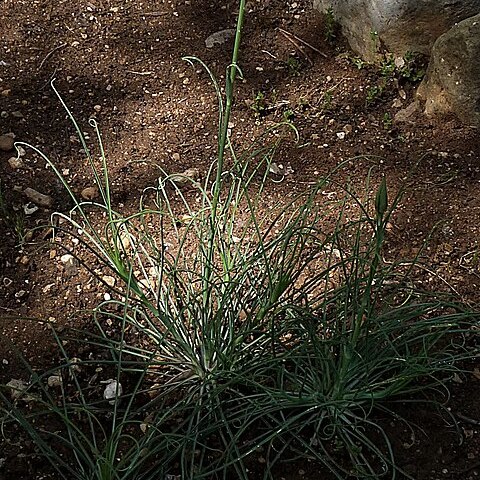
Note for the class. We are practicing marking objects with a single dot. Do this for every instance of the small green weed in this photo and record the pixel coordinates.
(410, 67)
(413, 68)
(387, 67)
(374, 92)
(294, 66)
(387, 121)
(304, 103)
(331, 26)
(391, 70)
(259, 104)
(327, 100)
(375, 41)
(278, 332)
(288, 115)
(358, 62)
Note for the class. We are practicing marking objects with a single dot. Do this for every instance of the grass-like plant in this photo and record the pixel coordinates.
(237, 331)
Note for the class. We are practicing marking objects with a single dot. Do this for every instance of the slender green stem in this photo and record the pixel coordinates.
(222, 142)
(229, 83)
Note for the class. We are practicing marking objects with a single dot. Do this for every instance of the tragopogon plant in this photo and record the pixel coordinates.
(235, 329)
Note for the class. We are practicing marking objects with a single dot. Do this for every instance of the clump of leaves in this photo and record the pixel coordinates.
(388, 67)
(281, 331)
(374, 92)
(406, 68)
(387, 121)
(288, 115)
(259, 104)
(375, 40)
(294, 66)
(358, 62)
(331, 26)
(412, 68)
(327, 100)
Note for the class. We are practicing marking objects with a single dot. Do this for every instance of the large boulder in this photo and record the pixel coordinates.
(397, 26)
(452, 82)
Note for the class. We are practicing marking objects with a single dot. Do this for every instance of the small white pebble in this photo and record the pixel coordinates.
(109, 280)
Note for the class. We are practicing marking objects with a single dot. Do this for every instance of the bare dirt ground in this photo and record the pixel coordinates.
(121, 63)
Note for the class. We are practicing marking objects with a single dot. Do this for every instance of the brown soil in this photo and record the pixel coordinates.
(122, 65)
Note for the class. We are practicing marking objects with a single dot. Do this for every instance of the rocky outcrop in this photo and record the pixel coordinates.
(397, 26)
(452, 83)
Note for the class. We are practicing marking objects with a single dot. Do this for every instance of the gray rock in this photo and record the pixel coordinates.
(407, 113)
(218, 38)
(452, 83)
(38, 198)
(17, 390)
(398, 26)
(30, 208)
(109, 280)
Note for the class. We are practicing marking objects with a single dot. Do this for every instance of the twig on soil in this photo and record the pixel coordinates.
(270, 54)
(322, 96)
(469, 420)
(139, 73)
(471, 467)
(7, 309)
(431, 272)
(315, 49)
(49, 81)
(297, 46)
(152, 14)
(50, 53)
(49, 232)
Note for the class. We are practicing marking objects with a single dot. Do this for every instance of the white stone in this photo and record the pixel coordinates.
(109, 280)
(112, 391)
(69, 263)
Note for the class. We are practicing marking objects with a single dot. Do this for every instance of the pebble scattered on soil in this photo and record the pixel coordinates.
(15, 163)
(89, 193)
(112, 391)
(54, 381)
(186, 177)
(6, 143)
(109, 280)
(69, 264)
